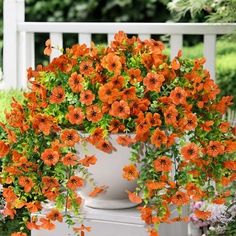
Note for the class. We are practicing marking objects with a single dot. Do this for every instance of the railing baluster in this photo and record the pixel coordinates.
(210, 53)
(57, 43)
(85, 38)
(176, 44)
(144, 36)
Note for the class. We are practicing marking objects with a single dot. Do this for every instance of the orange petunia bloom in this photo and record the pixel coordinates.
(107, 93)
(18, 234)
(116, 126)
(155, 185)
(194, 192)
(190, 151)
(135, 75)
(93, 113)
(178, 96)
(4, 149)
(69, 137)
(43, 123)
(50, 157)
(163, 163)
(117, 82)
(31, 225)
(230, 146)
(87, 97)
(86, 67)
(97, 190)
(46, 224)
(9, 211)
(139, 105)
(175, 64)
(48, 49)
(96, 136)
(130, 172)
(146, 214)
(125, 140)
(120, 109)
(231, 165)
(9, 194)
(128, 94)
(133, 197)
(75, 182)
(54, 215)
(224, 127)
(34, 206)
(112, 63)
(153, 119)
(76, 82)
(215, 148)
(153, 232)
(75, 115)
(26, 183)
(203, 215)
(50, 182)
(88, 160)
(180, 198)
(57, 95)
(81, 230)
(158, 138)
(170, 115)
(153, 81)
(70, 159)
(206, 126)
(189, 122)
(105, 146)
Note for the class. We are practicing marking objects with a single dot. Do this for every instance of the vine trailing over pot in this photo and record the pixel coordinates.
(128, 87)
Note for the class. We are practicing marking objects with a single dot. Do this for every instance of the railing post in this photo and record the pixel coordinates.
(13, 13)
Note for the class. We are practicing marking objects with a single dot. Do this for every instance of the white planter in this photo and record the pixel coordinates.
(108, 172)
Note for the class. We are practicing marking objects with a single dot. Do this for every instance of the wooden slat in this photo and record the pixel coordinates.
(110, 38)
(57, 43)
(176, 44)
(130, 28)
(144, 36)
(85, 38)
(210, 53)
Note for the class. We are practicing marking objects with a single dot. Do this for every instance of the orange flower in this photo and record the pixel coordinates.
(75, 182)
(146, 214)
(107, 93)
(153, 81)
(26, 183)
(139, 105)
(117, 82)
(76, 82)
(58, 95)
(203, 215)
(47, 224)
(207, 125)
(163, 164)
(50, 182)
(116, 126)
(43, 123)
(105, 146)
(69, 137)
(175, 64)
(48, 49)
(128, 94)
(9, 194)
(70, 159)
(93, 113)
(158, 138)
(112, 63)
(88, 160)
(125, 140)
(180, 198)
(190, 151)
(86, 67)
(178, 96)
(9, 211)
(18, 234)
(50, 157)
(133, 197)
(189, 122)
(215, 148)
(231, 165)
(32, 224)
(33, 206)
(87, 97)
(130, 172)
(96, 136)
(153, 232)
(120, 109)
(75, 115)
(4, 149)
(170, 115)
(153, 119)
(97, 190)
(81, 229)
(54, 215)
(135, 75)
(155, 185)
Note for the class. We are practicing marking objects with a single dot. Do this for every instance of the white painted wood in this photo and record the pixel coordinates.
(176, 44)
(110, 38)
(131, 28)
(116, 223)
(144, 36)
(57, 43)
(85, 38)
(210, 53)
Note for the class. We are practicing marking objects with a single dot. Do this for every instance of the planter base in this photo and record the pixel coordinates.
(108, 204)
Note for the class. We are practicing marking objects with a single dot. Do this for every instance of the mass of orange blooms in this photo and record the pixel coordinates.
(172, 107)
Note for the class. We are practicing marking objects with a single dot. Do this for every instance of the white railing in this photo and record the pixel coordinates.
(19, 44)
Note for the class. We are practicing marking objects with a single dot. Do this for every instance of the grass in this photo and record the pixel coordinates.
(5, 101)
